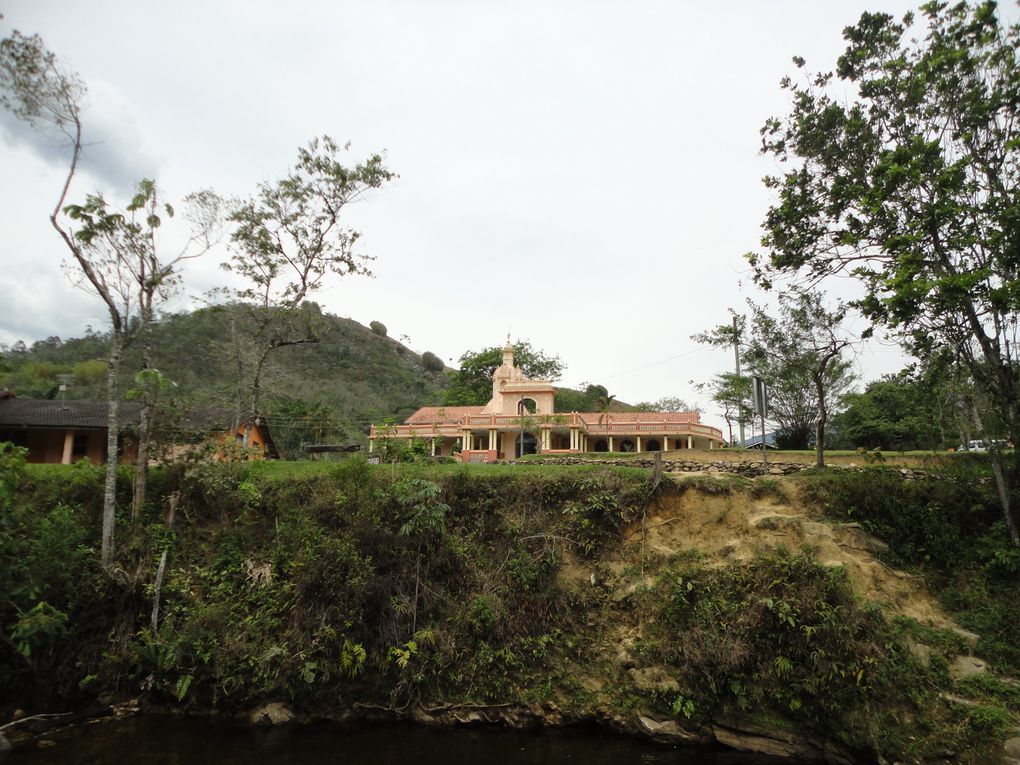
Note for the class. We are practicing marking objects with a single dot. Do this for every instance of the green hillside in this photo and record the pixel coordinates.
(330, 390)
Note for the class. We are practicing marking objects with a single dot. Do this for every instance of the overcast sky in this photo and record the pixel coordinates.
(584, 175)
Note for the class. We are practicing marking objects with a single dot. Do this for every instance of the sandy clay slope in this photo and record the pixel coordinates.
(728, 528)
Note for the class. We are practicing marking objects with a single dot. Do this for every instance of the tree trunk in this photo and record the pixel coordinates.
(1005, 498)
(174, 498)
(256, 395)
(112, 437)
(823, 415)
(144, 419)
(142, 466)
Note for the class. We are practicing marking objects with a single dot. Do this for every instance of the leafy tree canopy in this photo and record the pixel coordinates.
(287, 240)
(902, 171)
(666, 404)
(800, 354)
(889, 414)
(471, 384)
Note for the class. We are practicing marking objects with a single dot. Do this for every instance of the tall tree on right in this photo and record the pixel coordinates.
(911, 187)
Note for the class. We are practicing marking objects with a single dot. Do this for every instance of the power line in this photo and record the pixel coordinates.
(653, 364)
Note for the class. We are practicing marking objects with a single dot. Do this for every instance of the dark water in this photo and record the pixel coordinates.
(170, 741)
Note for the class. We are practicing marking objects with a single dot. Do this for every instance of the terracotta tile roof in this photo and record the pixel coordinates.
(430, 414)
(453, 414)
(595, 418)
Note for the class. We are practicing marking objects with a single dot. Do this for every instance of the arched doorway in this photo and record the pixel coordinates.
(601, 445)
(526, 406)
(627, 445)
(530, 444)
(652, 445)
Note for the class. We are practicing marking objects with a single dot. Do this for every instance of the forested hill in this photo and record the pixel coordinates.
(331, 389)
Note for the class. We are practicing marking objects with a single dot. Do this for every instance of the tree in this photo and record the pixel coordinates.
(157, 276)
(432, 362)
(125, 247)
(799, 355)
(37, 90)
(930, 405)
(288, 239)
(424, 523)
(604, 404)
(891, 414)
(910, 187)
(732, 393)
(666, 404)
(116, 252)
(471, 384)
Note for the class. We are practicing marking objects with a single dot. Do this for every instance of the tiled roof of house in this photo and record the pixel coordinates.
(594, 418)
(430, 414)
(86, 415)
(452, 414)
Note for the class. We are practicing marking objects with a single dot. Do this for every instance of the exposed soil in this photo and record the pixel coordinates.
(723, 529)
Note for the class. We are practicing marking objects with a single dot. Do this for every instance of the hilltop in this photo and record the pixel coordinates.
(332, 389)
(329, 391)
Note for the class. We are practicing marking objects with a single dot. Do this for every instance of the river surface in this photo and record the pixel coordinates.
(175, 741)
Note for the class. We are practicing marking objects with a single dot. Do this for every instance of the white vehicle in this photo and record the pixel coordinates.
(976, 445)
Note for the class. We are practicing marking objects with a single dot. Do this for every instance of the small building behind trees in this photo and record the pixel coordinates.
(63, 432)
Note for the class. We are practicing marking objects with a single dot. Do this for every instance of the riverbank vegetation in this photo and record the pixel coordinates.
(338, 587)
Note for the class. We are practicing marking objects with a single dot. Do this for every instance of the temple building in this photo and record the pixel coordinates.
(520, 418)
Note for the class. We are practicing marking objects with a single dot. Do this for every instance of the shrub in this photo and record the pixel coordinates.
(378, 328)
(785, 634)
(432, 362)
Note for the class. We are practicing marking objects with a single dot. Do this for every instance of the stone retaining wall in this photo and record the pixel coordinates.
(746, 469)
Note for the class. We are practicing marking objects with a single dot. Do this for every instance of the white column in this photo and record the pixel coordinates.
(432, 447)
(690, 442)
(711, 444)
(639, 443)
(610, 443)
(493, 435)
(371, 445)
(665, 443)
(68, 448)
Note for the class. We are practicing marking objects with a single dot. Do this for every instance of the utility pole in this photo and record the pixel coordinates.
(760, 397)
(736, 358)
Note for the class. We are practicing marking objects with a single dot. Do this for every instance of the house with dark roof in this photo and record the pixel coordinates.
(520, 418)
(67, 431)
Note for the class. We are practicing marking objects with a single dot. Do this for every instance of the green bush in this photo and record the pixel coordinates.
(784, 635)
(377, 328)
(432, 362)
(949, 526)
